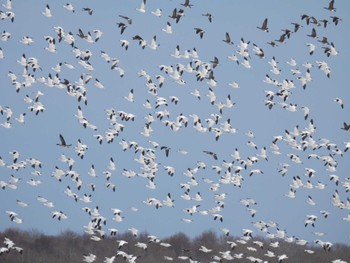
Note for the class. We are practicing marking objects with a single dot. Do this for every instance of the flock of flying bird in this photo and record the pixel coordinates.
(147, 151)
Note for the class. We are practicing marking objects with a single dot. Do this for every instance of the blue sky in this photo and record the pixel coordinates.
(37, 137)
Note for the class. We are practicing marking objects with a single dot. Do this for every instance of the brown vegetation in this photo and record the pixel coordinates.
(71, 247)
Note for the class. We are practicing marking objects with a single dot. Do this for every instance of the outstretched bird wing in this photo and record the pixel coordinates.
(63, 142)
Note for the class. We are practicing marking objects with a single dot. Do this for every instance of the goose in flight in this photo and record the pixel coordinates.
(310, 201)
(9, 15)
(133, 231)
(21, 203)
(346, 127)
(246, 63)
(122, 27)
(330, 6)
(130, 96)
(98, 34)
(325, 22)
(218, 217)
(92, 171)
(86, 198)
(47, 11)
(15, 156)
(311, 47)
(69, 7)
(98, 84)
(199, 31)
(264, 27)
(8, 5)
(111, 165)
(166, 150)
(110, 259)
(234, 84)
(336, 20)
(157, 12)
(258, 51)
(89, 258)
(325, 213)
(306, 111)
(26, 40)
(14, 217)
(309, 19)
(252, 144)
(227, 39)
(291, 193)
(168, 201)
(210, 16)
(8, 243)
(347, 146)
(177, 14)
(214, 155)
(59, 215)
(142, 8)
(281, 39)
(282, 257)
(313, 33)
(168, 28)
(187, 4)
(205, 249)
(296, 27)
(153, 44)
(5, 36)
(80, 149)
(127, 19)
(170, 170)
(89, 10)
(63, 142)
(212, 96)
(287, 32)
(192, 210)
(330, 50)
(121, 243)
(196, 93)
(272, 43)
(177, 52)
(124, 43)
(141, 245)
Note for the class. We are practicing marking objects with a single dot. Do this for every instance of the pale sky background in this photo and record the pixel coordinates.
(37, 137)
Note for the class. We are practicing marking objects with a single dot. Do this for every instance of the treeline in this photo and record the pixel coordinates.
(71, 247)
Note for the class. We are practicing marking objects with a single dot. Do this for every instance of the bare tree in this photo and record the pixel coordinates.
(71, 247)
